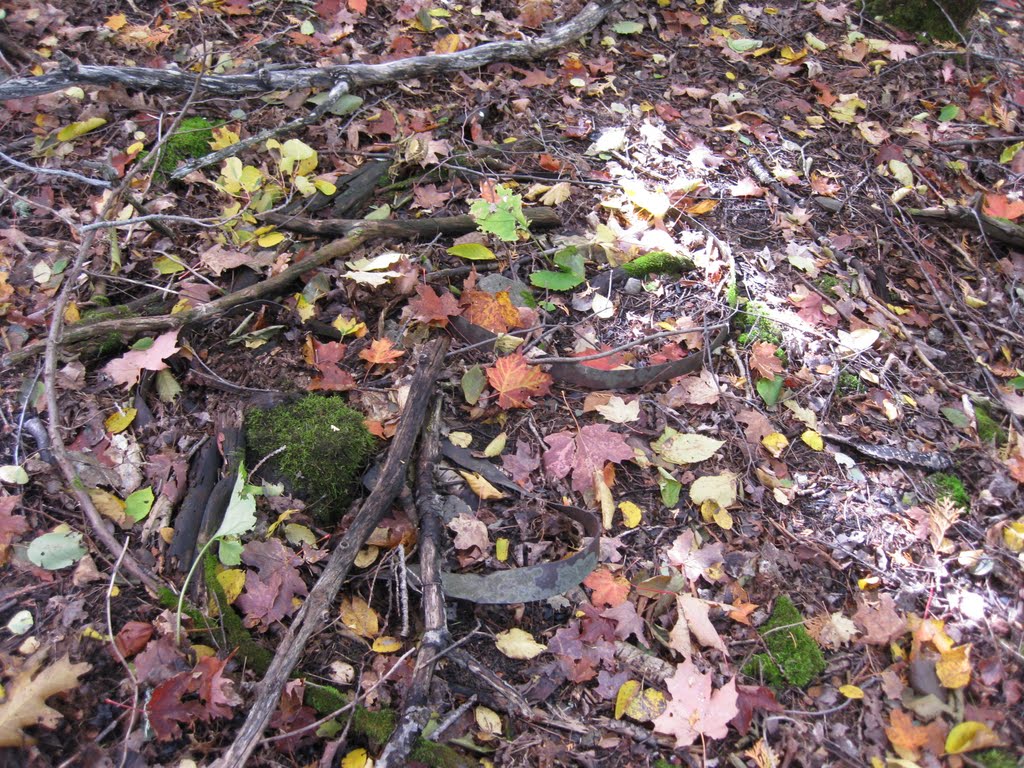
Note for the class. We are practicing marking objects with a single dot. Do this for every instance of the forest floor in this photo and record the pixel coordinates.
(812, 526)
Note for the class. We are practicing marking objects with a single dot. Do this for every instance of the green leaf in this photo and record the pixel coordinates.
(240, 516)
(229, 552)
(770, 389)
(628, 28)
(12, 473)
(570, 262)
(1010, 152)
(167, 387)
(503, 218)
(472, 251)
(138, 504)
(1017, 382)
(473, 382)
(956, 417)
(744, 44)
(56, 550)
(949, 112)
(670, 488)
(346, 105)
(555, 281)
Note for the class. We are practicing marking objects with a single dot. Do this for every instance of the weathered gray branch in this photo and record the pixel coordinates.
(282, 79)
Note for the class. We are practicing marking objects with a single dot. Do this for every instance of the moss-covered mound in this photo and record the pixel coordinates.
(793, 657)
(326, 447)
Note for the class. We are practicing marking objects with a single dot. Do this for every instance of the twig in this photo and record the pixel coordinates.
(120, 656)
(623, 347)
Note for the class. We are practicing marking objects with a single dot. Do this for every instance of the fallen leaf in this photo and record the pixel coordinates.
(685, 448)
(584, 454)
(609, 589)
(516, 381)
(430, 308)
(764, 361)
(619, 411)
(26, 695)
(480, 486)
(694, 710)
(381, 352)
(126, 369)
(517, 644)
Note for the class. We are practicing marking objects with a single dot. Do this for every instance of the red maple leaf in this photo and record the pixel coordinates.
(584, 454)
(133, 637)
(533, 13)
(516, 382)
(607, 363)
(609, 589)
(165, 708)
(381, 352)
(811, 307)
(215, 690)
(430, 308)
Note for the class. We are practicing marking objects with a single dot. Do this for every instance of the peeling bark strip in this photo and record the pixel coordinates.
(266, 80)
(429, 363)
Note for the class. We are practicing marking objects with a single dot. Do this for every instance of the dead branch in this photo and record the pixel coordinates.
(539, 217)
(967, 217)
(429, 362)
(416, 709)
(269, 79)
(357, 233)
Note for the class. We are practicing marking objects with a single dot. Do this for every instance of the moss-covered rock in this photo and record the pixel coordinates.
(793, 657)
(928, 17)
(326, 448)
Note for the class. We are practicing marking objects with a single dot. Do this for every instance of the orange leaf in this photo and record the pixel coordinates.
(493, 311)
(764, 361)
(381, 352)
(1003, 207)
(609, 589)
(516, 382)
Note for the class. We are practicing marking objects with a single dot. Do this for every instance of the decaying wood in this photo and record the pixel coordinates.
(539, 218)
(1001, 230)
(429, 363)
(269, 79)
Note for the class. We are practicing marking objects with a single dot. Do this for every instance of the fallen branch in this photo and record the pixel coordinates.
(539, 217)
(429, 362)
(416, 710)
(1001, 230)
(357, 233)
(269, 79)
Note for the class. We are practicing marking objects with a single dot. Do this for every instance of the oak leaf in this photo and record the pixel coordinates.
(584, 454)
(695, 711)
(27, 693)
(516, 382)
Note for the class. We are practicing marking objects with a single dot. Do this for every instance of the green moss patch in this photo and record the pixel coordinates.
(657, 263)
(190, 141)
(793, 657)
(755, 325)
(326, 447)
(950, 487)
(989, 430)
